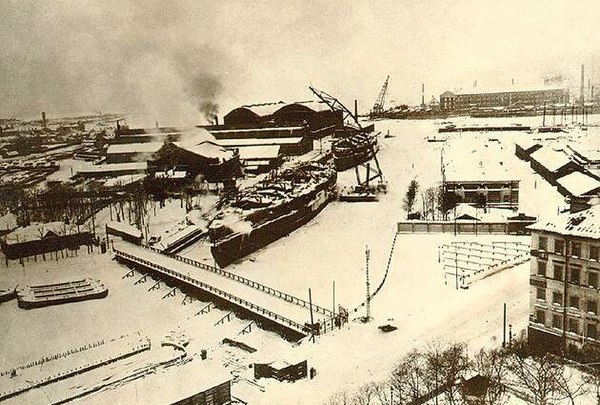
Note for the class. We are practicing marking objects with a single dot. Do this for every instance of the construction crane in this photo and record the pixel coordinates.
(371, 172)
(380, 102)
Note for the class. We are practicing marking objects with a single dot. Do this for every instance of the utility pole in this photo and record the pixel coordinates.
(504, 328)
(368, 301)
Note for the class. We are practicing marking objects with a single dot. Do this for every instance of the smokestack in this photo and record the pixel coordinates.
(581, 96)
(422, 94)
(513, 81)
(156, 124)
(356, 108)
(44, 119)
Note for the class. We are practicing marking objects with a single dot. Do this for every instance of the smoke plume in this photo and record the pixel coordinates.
(154, 59)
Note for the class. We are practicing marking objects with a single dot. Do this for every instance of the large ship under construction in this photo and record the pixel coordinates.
(353, 150)
(270, 210)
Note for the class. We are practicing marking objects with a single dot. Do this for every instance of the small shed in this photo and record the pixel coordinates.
(281, 370)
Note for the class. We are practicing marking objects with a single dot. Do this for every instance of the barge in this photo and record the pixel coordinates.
(35, 296)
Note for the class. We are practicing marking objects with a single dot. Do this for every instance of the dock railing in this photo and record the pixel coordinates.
(261, 287)
(218, 292)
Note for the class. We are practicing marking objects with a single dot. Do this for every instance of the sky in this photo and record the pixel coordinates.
(181, 61)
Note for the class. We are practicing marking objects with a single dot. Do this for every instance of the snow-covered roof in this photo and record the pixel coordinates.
(264, 129)
(551, 159)
(259, 152)
(263, 110)
(585, 224)
(493, 90)
(124, 228)
(8, 221)
(579, 184)
(37, 231)
(258, 141)
(148, 147)
(207, 149)
(527, 143)
(115, 167)
(124, 180)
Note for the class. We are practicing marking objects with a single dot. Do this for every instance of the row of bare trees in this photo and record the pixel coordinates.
(437, 375)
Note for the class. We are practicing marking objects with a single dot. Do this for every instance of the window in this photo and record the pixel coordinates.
(574, 275)
(574, 301)
(541, 266)
(541, 294)
(540, 316)
(543, 243)
(557, 321)
(576, 249)
(593, 279)
(558, 271)
(557, 297)
(591, 330)
(592, 306)
(573, 325)
(594, 252)
(559, 246)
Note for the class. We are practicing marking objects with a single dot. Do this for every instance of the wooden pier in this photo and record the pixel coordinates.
(287, 312)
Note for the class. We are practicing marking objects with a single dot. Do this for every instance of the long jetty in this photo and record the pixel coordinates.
(285, 310)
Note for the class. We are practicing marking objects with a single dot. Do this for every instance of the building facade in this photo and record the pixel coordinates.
(565, 282)
(492, 193)
(463, 101)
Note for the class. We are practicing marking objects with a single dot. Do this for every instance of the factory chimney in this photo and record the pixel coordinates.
(44, 120)
(581, 96)
(513, 81)
(422, 94)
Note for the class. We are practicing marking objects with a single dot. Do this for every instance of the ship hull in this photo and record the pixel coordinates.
(240, 245)
(349, 161)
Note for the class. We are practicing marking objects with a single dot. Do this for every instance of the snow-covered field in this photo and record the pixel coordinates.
(329, 249)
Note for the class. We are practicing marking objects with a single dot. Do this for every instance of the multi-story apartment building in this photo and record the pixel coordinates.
(565, 281)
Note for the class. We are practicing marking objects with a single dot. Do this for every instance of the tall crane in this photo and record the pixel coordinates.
(380, 102)
(351, 120)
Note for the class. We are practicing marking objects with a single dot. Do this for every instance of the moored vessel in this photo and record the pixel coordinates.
(271, 210)
(35, 296)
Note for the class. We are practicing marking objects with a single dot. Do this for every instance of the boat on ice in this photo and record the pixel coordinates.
(7, 294)
(35, 296)
(270, 210)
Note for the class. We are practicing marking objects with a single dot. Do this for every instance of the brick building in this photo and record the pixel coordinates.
(464, 101)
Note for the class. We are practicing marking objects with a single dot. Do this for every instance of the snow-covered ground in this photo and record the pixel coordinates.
(329, 249)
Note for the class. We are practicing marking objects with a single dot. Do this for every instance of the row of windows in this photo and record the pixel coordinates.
(591, 305)
(575, 250)
(573, 324)
(575, 273)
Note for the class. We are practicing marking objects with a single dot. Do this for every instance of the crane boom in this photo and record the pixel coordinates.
(380, 102)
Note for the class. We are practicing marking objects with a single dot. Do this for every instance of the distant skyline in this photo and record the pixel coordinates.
(177, 61)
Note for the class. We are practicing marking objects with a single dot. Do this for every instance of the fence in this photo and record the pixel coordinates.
(261, 287)
(466, 228)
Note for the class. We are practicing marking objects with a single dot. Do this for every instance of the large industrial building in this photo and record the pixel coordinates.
(565, 284)
(472, 100)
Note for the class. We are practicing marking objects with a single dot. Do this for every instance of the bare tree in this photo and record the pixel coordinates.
(493, 365)
(445, 366)
(365, 395)
(339, 398)
(544, 380)
(408, 378)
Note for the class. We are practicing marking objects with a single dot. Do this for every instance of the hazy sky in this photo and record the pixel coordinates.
(176, 60)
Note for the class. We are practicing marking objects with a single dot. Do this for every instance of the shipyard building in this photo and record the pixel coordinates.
(469, 100)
